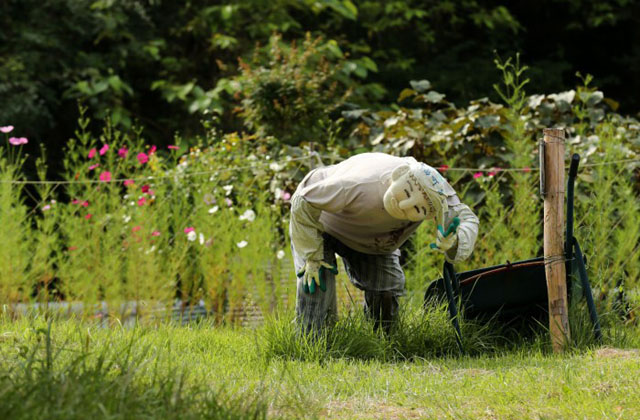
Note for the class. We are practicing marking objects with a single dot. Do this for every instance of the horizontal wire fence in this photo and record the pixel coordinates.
(511, 227)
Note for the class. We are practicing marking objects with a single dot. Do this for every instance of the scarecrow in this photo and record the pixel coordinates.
(364, 209)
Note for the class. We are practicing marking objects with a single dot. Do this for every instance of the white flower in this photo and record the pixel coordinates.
(248, 215)
(153, 248)
(213, 209)
(278, 193)
(201, 239)
(126, 218)
(280, 254)
(192, 235)
(242, 244)
(227, 189)
(275, 167)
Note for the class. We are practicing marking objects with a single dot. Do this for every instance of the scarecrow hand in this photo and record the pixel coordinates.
(314, 273)
(447, 240)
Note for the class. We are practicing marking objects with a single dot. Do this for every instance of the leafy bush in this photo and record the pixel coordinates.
(291, 93)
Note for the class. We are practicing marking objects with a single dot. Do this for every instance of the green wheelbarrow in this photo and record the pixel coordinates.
(515, 291)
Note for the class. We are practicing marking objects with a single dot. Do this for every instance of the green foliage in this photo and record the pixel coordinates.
(198, 371)
(14, 254)
(166, 65)
(116, 379)
(290, 93)
(208, 225)
(417, 334)
(496, 138)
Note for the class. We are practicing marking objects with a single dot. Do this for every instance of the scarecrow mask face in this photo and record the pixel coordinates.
(406, 199)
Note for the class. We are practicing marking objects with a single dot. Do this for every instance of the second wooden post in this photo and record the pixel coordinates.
(554, 190)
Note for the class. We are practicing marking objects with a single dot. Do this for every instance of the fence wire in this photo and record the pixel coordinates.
(222, 169)
(497, 175)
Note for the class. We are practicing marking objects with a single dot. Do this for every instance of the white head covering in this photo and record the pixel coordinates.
(417, 192)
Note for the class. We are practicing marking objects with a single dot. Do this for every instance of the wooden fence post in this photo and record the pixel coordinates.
(554, 189)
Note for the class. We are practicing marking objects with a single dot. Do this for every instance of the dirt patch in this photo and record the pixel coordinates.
(610, 353)
(358, 409)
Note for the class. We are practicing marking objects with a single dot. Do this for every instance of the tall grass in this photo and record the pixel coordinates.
(15, 230)
(208, 225)
(74, 378)
(417, 334)
(609, 216)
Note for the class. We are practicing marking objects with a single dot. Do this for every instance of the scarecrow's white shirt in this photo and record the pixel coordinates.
(346, 201)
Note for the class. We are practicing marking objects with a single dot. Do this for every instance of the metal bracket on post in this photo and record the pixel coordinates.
(543, 188)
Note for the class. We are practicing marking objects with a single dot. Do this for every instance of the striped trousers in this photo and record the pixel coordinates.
(379, 276)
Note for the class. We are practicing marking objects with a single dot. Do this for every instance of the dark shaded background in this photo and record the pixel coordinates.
(110, 54)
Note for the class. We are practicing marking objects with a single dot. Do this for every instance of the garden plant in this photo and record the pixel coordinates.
(103, 265)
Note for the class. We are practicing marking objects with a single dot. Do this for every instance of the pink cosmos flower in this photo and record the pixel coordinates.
(88, 216)
(72, 248)
(92, 167)
(145, 188)
(526, 169)
(105, 176)
(286, 196)
(443, 168)
(6, 129)
(92, 153)
(172, 147)
(142, 158)
(152, 150)
(209, 199)
(104, 149)
(229, 202)
(142, 201)
(136, 228)
(122, 152)
(189, 229)
(17, 141)
(155, 233)
(75, 201)
(46, 207)
(477, 175)
(85, 204)
(128, 182)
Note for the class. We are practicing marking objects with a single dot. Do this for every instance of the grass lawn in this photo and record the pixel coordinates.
(73, 370)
